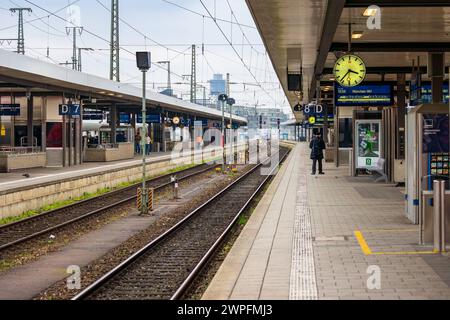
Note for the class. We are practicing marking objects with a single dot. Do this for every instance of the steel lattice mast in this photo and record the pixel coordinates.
(21, 36)
(115, 47)
(194, 76)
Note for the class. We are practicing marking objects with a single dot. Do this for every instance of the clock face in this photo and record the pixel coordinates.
(350, 70)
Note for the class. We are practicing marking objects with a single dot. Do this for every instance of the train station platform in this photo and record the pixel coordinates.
(36, 190)
(329, 237)
(37, 176)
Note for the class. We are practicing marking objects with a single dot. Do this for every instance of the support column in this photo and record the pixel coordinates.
(44, 124)
(436, 66)
(400, 117)
(79, 137)
(113, 124)
(71, 141)
(64, 137)
(30, 116)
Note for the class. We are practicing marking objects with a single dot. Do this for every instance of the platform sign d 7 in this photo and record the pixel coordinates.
(69, 110)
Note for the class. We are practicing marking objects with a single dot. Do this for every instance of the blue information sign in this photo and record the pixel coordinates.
(93, 115)
(11, 110)
(125, 118)
(151, 118)
(69, 110)
(376, 95)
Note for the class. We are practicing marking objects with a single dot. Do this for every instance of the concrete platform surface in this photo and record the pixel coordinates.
(330, 237)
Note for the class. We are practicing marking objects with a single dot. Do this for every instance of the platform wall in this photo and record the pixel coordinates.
(16, 202)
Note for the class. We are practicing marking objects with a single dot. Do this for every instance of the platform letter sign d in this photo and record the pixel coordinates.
(374, 20)
(65, 109)
(374, 281)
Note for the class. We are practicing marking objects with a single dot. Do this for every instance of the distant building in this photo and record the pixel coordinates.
(167, 92)
(269, 116)
(218, 85)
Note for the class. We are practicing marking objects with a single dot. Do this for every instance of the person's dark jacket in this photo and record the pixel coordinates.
(317, 146)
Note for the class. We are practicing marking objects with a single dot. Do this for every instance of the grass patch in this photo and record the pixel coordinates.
(4, 265)
(243, 219)
(85, 196)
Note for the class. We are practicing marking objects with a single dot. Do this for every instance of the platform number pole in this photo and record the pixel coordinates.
(144, 209)
(143, 62)
(223, 98)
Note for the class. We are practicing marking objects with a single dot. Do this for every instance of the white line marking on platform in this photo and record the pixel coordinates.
(303, 275)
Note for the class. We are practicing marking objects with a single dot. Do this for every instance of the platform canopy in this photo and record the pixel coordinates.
(24, 73)
(308, 35)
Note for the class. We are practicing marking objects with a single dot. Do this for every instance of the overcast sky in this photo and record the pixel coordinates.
(162, 22)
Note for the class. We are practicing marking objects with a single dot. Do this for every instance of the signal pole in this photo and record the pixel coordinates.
(74, 54)
(80, 67)
(169, 81)
(115, 46)
(194, 76)
(20, 37)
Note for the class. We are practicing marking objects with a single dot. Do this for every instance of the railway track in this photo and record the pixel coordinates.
(33, 227)
(166, 267)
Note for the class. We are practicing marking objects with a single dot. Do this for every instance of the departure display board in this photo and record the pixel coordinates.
(372, 95)
(12, 110)
(427, 96)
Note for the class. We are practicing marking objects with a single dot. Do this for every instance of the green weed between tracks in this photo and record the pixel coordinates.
(85, 196)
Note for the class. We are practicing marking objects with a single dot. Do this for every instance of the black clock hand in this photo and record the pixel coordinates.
(346, 74)
(353, 72)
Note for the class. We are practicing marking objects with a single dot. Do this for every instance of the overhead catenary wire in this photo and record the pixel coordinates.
(40, 18)
(200, 14)
(93, 34)
(137, 30)
(237, 53)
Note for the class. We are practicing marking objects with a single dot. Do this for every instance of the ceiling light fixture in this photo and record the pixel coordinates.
(370, 12)
(357, 34)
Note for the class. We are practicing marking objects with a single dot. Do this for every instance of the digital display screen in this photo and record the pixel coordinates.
(427, 96)
(364, 96)
(435, 133)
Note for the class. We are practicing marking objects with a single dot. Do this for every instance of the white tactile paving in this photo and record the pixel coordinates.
(303, 284)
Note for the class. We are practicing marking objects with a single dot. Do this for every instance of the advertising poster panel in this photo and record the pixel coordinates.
(368, 148)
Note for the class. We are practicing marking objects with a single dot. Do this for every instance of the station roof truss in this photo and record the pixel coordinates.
(309, 35)
(21, 74)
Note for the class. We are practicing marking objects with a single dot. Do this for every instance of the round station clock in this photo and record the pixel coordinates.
(350, 70)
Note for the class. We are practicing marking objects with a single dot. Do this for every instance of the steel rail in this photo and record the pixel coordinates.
(93, 212)
(90, 290)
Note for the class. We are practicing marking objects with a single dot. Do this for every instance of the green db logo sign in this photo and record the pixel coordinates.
(369, 162)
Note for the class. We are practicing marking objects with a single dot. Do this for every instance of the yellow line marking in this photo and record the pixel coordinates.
(403, 253)
(368, 252)
(362, 243)
(392, 230)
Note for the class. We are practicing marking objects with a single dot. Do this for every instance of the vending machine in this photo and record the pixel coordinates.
(428, 159)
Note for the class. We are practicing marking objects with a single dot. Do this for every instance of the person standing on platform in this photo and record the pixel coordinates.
(317, 146)
(137, 141)
(148, 145)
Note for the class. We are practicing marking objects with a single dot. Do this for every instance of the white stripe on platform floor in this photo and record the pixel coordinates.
(303, 275)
